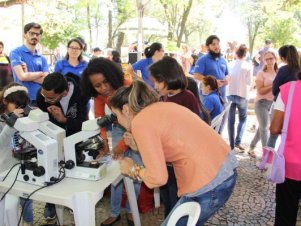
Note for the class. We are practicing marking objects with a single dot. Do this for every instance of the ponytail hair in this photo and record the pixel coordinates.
(211, 81)
(150, 51)
(138, 96)
(290, 54)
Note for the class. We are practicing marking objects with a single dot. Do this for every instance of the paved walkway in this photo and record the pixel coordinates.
(252, 202)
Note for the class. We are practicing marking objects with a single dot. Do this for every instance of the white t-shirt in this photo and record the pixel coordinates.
(241, 76)
(65, 100)
(279, 105)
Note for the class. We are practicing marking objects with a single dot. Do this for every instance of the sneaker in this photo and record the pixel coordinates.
(49, 211)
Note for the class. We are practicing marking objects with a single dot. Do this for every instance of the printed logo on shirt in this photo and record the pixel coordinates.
(72, 111)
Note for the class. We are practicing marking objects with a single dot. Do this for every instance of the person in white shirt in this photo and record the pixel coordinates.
(241, 75)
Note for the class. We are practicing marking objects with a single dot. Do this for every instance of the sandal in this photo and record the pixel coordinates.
(111, 221)
(252, 154)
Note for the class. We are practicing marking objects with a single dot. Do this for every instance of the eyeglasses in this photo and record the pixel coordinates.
(74, 48)
(32, 34)
(51, 99)
(272, 58)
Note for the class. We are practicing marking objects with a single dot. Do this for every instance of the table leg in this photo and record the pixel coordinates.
(60, 213)
(130, 190)
(84, 209)
(2, 210)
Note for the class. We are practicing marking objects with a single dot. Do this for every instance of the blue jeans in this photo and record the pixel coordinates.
(116, 191)
(242, 105)
(262, 110)
(28, 211)
(273, 137)
(210, 201)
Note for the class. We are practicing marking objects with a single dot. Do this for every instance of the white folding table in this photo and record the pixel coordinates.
(79, 195)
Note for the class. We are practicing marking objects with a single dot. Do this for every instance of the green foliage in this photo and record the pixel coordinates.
(58, 22)
(54, 36)
(282, 30)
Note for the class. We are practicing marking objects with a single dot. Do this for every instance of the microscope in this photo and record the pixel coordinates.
(81, 150)
(38, 144)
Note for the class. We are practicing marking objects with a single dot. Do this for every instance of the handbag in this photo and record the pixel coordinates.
(272, 159)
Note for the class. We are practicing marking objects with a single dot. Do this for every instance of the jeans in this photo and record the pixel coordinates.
(242, 105)
(116, 191)
(210, 201)
(168, 192)
(273, 137)
(27, 211)
(262, 109)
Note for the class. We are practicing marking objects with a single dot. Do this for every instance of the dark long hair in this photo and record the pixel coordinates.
(290, 54)
(193, 87)
(169, 71)
(211, 81)
(108, 69)
(150, 51)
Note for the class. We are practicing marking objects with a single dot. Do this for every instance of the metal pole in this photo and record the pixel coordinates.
(22, 19)
(140, 29)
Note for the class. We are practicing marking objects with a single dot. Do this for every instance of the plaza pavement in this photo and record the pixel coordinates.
(251, 204)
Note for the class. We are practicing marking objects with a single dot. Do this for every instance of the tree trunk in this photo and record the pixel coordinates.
(120, 40)
(110, 30)
(183, 22)
(89, 24)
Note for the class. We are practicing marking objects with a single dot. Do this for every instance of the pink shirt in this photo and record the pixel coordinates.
(267, 79)
(168, 132)
(292, 149)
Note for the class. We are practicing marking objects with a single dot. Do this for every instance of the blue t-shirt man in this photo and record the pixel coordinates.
(35, 62)
(143, 66)
(217, 67)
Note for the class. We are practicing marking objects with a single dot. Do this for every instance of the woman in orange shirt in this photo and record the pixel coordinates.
(100, 80)
(165, 132)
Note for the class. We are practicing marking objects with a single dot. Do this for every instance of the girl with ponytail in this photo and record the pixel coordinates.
(213, 100)
(153, 53)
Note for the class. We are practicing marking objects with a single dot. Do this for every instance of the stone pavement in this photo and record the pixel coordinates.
(252, 202)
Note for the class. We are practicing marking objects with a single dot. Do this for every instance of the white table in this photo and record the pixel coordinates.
(79, 195)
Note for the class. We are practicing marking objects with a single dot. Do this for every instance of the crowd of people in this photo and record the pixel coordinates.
(164, 108)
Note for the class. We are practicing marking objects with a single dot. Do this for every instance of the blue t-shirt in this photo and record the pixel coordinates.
(143, 66)
(207, 65)
(35, 62)
(64, 67)
(213, 104)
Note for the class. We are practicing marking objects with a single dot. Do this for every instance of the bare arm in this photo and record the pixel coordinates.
(261, 89)
(277, 122)
(132, 73)
(26, 76)
(198, 76)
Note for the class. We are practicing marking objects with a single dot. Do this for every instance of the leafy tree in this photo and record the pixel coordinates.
(119, 12)
(57, 21)
(176, 13)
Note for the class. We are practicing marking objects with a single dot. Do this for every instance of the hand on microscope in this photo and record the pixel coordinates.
(117, 153)
(57, 113)
(18, 112)
(130, 141)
